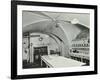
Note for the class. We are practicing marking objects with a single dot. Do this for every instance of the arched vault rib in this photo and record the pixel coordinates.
(43, 27)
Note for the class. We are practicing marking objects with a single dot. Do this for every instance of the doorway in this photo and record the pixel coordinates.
(38, 52)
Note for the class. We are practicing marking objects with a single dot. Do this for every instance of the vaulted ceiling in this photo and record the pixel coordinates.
(57, 24)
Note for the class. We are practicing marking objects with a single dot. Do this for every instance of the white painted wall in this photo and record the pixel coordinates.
(25, 56)
(53, 44)
(47, 41)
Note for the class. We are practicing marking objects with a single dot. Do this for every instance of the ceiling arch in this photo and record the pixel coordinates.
(64, 30)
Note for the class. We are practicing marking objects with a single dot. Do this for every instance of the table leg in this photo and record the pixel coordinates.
(41, 63)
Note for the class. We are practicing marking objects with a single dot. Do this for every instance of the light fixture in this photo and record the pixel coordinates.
(75, 21)
(41, 38)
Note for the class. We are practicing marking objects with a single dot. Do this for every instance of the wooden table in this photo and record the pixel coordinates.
(55, 61)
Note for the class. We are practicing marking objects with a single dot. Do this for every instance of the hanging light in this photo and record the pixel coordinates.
(56, 24)
(75, 21)
(41, 38)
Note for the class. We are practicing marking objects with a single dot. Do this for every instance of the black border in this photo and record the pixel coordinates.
(14, 39)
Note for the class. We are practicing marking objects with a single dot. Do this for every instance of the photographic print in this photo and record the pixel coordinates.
(53, 40)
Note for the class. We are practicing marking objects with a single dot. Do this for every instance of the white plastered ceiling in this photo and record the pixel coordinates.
(58, 24)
